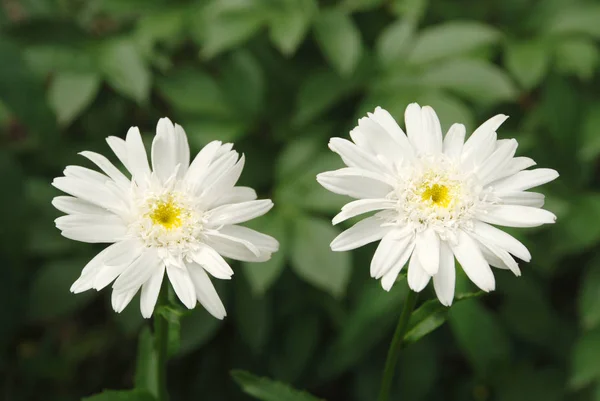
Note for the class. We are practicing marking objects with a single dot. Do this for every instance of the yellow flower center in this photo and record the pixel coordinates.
(167, 214)
(438, 194)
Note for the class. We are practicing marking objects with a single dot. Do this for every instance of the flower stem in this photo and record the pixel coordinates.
(161, 338)
(395, 346)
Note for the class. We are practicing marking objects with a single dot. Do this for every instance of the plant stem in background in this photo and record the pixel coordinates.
(161, 338)
(395, 346)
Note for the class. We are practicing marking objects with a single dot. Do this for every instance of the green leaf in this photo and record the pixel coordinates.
(261, 276)
(201, 131)
(480, 336)
(360, 5)
(145, 367)
(532, 383)
(22, 92)
(125, 70)
(197, 328)
(172, 312)
(450, 40)
(589, 296)
(585, 367)
(527, 61)
(577, 56)
(412, 10)
(49, 295)
(313, 260)
(252, 316)
(290, 22)
(318, 93)
(229, 24)
(476, 80)
(191, 90)
(339, 40)
(126, 395)
(393, 41)
(575, 230)
(70, 94)
(429, 316)
(243, 81)
(580, 19)
(266, 389)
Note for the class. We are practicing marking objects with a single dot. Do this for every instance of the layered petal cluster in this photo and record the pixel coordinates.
(169, 216)
(437, 198)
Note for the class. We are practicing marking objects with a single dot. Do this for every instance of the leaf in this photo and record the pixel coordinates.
(229, 24)
(261, 276)
(360, 5)
(312, 259)
(429, 316)
(252, 316)
(318, 93)
(126, 395)
(393, 41)
(450, 40)
(476, 80)
(201, 131)
(577, 56)
(339, 40)
(532, 383)
(290, 22)
(480, 336)
(413, 10)
(22, 92)
(265, 389)
(581, 19)
(70, 94)
(125, 70)
(576, 232)
(172, 312)
(585, 367)
(197, 328)
(146, 364)
(49, 295)
(374, 308)
(191, 90)
(589, 296)
(243, 81)
(527, 61)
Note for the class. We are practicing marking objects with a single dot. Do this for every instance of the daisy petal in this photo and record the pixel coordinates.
(389, 250)
(139, 271)
(454, 141)
(182, 151)
(362, 233)
(137, 158)
(150, 290)
(356, 183)
(428, 251)
(238, 212)
(468, 254)
(389, 278)
(445, 279)
(525, 180)
(432, 131)
(361, 206)
(205, 291)
(417, 276)
(120, 300)
(213, 263)
(502, 239)
(517, 216)
(532, 199)
(182, 284)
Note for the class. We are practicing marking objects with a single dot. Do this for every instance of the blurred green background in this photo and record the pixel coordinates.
(279, 78)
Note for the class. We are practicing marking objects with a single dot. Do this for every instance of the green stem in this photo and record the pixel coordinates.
(395, 346)
(161, 338)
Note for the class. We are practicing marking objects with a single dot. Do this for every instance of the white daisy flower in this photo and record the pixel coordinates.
(437, 199)
(176, 217)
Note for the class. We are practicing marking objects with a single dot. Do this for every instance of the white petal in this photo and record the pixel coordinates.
(163, 150)
(120, 300)
(428, 251)
(234, 195)
(498, 257)
(119, 148)
(90, 192)
(182, 284)
(205, 291)
(182, 151)
(361, 206)
(389, 250)
(72, 205)
(502, 239)
(85, 174)
(469, 256)
(238, 212)
(355, 182)
(202, 161)
(260, 240)
(354, 156)
(454, 141)
(236, 249)
(212, 262)
(532, 199)
(115, 263)
(417, 276)
(517, 216)
(445, 279)
(514, 166)
(88, 273)
(220, 166)
(389, 278)
(139, 271)
(414, 127)
(385, 119)
(497, 161)
(150, 290)
(224, 183)
(105, 165)
(362, 233)
(378, 139)
(431, 131)
(481, 143)
(525, 180)
(93, 228)
(137, 158)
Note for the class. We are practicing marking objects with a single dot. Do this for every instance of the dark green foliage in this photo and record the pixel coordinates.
(279, 78)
